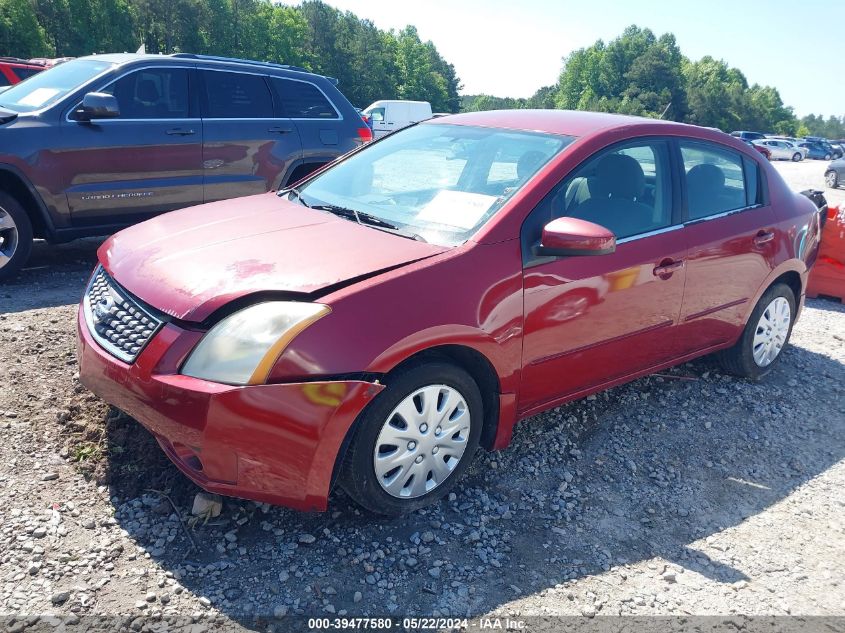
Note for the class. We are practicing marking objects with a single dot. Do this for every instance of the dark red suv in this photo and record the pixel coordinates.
(14, 70)
(380, 321)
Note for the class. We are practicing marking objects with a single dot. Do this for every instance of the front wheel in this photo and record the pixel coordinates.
(831, 179)
(765, 335)
(415, 440)
(796, 157)
(15, 236)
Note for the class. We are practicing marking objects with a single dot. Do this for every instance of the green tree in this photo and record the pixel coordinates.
(20, 33)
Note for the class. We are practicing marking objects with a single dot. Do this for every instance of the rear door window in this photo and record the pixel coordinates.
(302, 100)
(236, 96)
(715, 180)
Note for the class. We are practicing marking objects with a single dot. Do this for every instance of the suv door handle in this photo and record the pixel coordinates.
(667, 267)
(280, 130)
(180, 131)
(764, 237)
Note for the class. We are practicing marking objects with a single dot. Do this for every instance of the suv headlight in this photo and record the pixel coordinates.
(243, 347)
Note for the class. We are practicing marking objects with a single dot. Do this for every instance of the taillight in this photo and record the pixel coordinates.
(365, 134)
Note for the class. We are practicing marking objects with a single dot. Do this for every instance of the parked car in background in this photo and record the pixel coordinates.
(748, 136)
(819, 150)
(836, 151)
(795, 142)
(780, 150)
(102, 142)
(279, 343)
(834, 174)
(760, 148)
(14, 70)
(390, 115)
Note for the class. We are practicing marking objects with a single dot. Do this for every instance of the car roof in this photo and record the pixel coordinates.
(127, 58)
(563, 122)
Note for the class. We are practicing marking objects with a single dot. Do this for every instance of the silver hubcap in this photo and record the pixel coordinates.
(831, 179)
(422, 441)
(771, 333)
(8, 237)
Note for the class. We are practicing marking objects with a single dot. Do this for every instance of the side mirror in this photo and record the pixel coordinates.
(97, 105)
(568, 237)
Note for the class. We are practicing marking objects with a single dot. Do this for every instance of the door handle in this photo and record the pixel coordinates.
(180, 131)
(764, 237)
(280, 130)
(667, 267)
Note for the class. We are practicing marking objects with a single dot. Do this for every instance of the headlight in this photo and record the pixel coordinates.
(243, 347)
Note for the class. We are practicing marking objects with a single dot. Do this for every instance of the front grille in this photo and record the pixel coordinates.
(118, 322)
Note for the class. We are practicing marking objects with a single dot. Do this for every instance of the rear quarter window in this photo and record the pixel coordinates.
(302, 100)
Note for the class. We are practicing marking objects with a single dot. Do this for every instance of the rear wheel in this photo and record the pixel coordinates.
(831, 179)
(15, 236)
(796, 157)
(827, 156)
(765, 335)
(415, 440)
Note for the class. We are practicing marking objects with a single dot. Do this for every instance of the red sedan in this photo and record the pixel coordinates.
(377, 323)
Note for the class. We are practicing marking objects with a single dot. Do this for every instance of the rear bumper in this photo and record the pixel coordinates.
(270, 443)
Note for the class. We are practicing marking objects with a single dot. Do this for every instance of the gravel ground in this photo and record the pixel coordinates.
(687, 493)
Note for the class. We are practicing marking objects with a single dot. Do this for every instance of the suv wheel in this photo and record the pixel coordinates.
(831, 179)
(765, 335)
(15, 236)
(415, 440)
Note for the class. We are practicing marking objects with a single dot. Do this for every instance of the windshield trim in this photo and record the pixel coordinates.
(62, 100)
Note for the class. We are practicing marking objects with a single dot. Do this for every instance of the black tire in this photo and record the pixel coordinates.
(16, 242)
(796, 157)
(831, 179)
(739, 359)
(358, 476)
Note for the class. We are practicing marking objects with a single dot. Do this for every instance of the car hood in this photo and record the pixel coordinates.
(189, 263)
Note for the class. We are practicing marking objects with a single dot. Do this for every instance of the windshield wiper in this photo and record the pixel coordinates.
(362, 217)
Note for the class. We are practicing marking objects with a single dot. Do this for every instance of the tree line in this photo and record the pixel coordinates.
(636, 73)
(642, 74)
(370, 63)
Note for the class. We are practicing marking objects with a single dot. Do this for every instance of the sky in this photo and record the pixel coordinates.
(510, 48)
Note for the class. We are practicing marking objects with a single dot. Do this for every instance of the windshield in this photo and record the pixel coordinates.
(438, 182)
(47, 87)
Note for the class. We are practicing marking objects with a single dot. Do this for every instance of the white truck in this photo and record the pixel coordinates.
(387, 116)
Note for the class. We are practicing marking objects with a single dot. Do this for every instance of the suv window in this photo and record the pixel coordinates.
(714, 178)
(26, 73)
(236, 96)
(152, 93)
(303, 100)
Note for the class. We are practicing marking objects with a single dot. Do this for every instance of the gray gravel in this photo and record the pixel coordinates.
(692, 493)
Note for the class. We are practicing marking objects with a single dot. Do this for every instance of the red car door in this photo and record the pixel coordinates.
(731, 242)
(592, 319)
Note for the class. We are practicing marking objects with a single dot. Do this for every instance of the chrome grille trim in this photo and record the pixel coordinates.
(117, 321)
